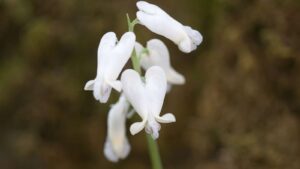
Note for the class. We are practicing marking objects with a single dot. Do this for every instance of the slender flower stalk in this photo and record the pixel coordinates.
(134, 59)
(152, 144)
(154, 153)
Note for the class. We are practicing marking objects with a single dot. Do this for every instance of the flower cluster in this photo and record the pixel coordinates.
(144, 94)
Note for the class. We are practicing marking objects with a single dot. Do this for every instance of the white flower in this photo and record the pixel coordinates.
(116, 146)
(158, 55)
(159, 22)
(112, 57)
(147, 98)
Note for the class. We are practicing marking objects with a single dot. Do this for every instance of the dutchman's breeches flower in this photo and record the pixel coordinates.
(116, 146)
(144, 94)
(112, 57)
(158, 55)
(159, 22)
(147, 97)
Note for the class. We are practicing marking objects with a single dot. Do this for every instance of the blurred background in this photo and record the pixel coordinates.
(239, 109)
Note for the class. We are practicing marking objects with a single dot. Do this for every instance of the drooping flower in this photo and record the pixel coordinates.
(147, 98)
(158, 55)
(112, 56)
(159, 22)
(116, 146)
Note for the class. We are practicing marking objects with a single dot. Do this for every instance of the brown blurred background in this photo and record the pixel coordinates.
(239, 109)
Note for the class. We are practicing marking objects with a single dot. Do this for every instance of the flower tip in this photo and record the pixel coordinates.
(194, 40)
(137, 127)
(147, 8)
(89, 85)
(140, 4)
(103, 99)
(129, 35)
(102, 95)
(153, 129)
(198, 38)
(185, 46)
(166, 118)
(113, 154)
(175, 78)
(141, 16)
(127, 41)
(109, 36)
(109, 153)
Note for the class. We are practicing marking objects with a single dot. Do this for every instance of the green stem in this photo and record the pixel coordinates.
(152, 145)
(135, 62)
(154, 152)
(134, 58)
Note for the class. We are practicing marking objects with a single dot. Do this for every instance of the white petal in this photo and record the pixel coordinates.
(146, 62)
(159, 53)
(101, 90)
(159, 56)
(112, 58)
(137, 127)
(159, 22)
(191, 43)
(117, 144)
(133, 89)
(117, 85)
(186, 46)
(111, 155)
(153, 128)
(163, 25)
(98, 88)
(148, 8)
(145, 18)
(169, 87)
(117, 118)
(138, 47)
(107, 43)
(156, 86)
(120, 55)
(126, 43)
(166, 118)
(126, 150)
(109, 152)
(194, 35)
(89, 85)
(174, 77)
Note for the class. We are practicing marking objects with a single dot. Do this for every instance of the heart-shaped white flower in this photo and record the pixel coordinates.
(158, 55)
(147, 98)
(159, 22)
(116, 146)
(112, 57)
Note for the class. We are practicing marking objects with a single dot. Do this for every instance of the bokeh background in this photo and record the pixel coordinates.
(239, 108)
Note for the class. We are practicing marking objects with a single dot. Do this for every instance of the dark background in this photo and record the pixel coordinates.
(238, 110)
